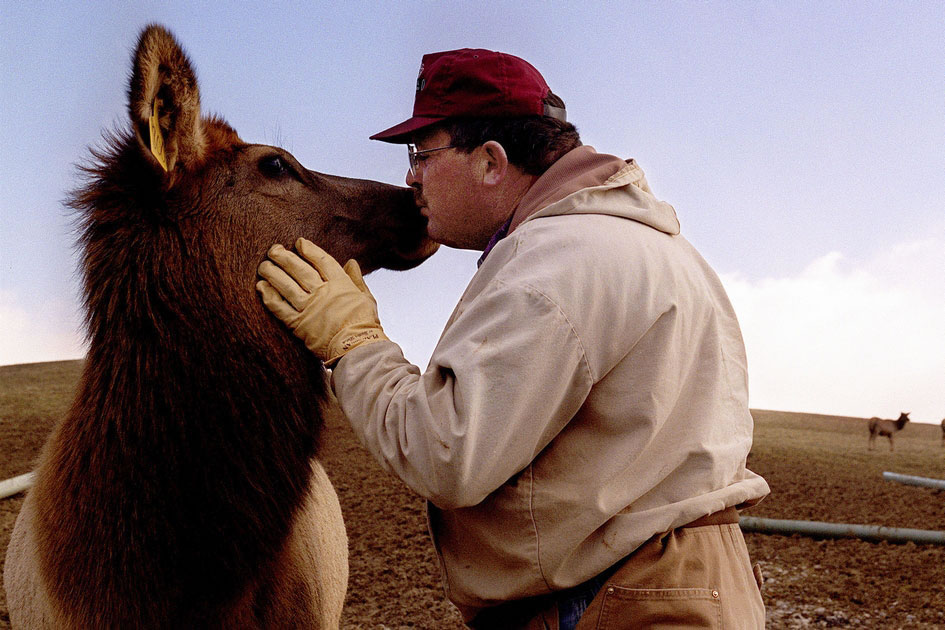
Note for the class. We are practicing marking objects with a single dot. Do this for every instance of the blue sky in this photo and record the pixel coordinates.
(802, 144)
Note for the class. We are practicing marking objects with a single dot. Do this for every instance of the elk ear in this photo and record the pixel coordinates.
(164, 103)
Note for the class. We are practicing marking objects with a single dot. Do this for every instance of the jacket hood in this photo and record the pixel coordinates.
(618, 186)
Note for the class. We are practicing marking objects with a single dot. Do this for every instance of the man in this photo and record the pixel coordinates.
(582, 429)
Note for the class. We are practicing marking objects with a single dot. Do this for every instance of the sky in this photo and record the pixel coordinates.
(801, 143)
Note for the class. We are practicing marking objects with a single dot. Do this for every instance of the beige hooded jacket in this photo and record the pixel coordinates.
(588, 392)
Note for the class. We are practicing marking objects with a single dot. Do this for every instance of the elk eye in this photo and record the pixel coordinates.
(274, 166)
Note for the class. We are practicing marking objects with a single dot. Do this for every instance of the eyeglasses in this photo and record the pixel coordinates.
(413, 155)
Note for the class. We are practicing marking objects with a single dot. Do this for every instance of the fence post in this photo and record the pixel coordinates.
(911, 480)
(15, 485)
(815, 529)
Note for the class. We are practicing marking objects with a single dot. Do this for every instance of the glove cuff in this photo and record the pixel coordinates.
(352, 337)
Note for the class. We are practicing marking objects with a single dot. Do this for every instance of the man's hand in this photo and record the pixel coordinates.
(326, 306)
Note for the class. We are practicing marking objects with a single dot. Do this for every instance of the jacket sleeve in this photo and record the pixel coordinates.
(507, 375)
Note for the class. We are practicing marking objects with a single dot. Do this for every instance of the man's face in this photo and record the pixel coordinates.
(448, 189)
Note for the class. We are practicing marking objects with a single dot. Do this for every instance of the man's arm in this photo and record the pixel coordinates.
(507, 375)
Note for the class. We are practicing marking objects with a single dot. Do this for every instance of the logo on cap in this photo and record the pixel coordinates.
(421, 82)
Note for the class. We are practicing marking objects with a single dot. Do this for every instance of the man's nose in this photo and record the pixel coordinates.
(412, 180)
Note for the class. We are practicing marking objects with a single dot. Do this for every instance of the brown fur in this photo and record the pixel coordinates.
(181, 490)
(886, 428)
(943, 432)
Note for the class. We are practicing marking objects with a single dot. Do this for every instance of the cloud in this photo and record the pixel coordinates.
(845, 337)
(50, 333)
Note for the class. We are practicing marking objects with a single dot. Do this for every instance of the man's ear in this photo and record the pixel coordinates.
(495, 163)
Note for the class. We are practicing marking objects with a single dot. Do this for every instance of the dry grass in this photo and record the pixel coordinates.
(818, 468)
(817, 465)
(34, 395)
(38, 389)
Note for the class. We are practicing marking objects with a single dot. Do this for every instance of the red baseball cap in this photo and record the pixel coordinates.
(472, 82)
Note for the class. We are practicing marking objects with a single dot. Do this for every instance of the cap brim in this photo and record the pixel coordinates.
(402, 133)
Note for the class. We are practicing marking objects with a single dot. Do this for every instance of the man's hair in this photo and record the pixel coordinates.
(532, 143)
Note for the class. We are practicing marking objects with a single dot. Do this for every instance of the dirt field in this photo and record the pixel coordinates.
(818, 467)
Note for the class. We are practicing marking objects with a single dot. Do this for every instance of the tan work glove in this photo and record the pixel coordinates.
(326, 306)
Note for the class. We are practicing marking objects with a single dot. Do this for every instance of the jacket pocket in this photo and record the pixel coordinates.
(663, 608)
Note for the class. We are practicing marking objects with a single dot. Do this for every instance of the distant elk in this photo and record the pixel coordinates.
(888, 428)
(183, 488)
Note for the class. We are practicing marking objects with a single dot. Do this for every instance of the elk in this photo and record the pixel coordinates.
(886, 428)
(182, 489)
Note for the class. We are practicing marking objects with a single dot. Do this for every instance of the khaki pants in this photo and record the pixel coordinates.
(691, 577)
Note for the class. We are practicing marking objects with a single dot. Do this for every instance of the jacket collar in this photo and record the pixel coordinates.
(584, 168)
(577, 169)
